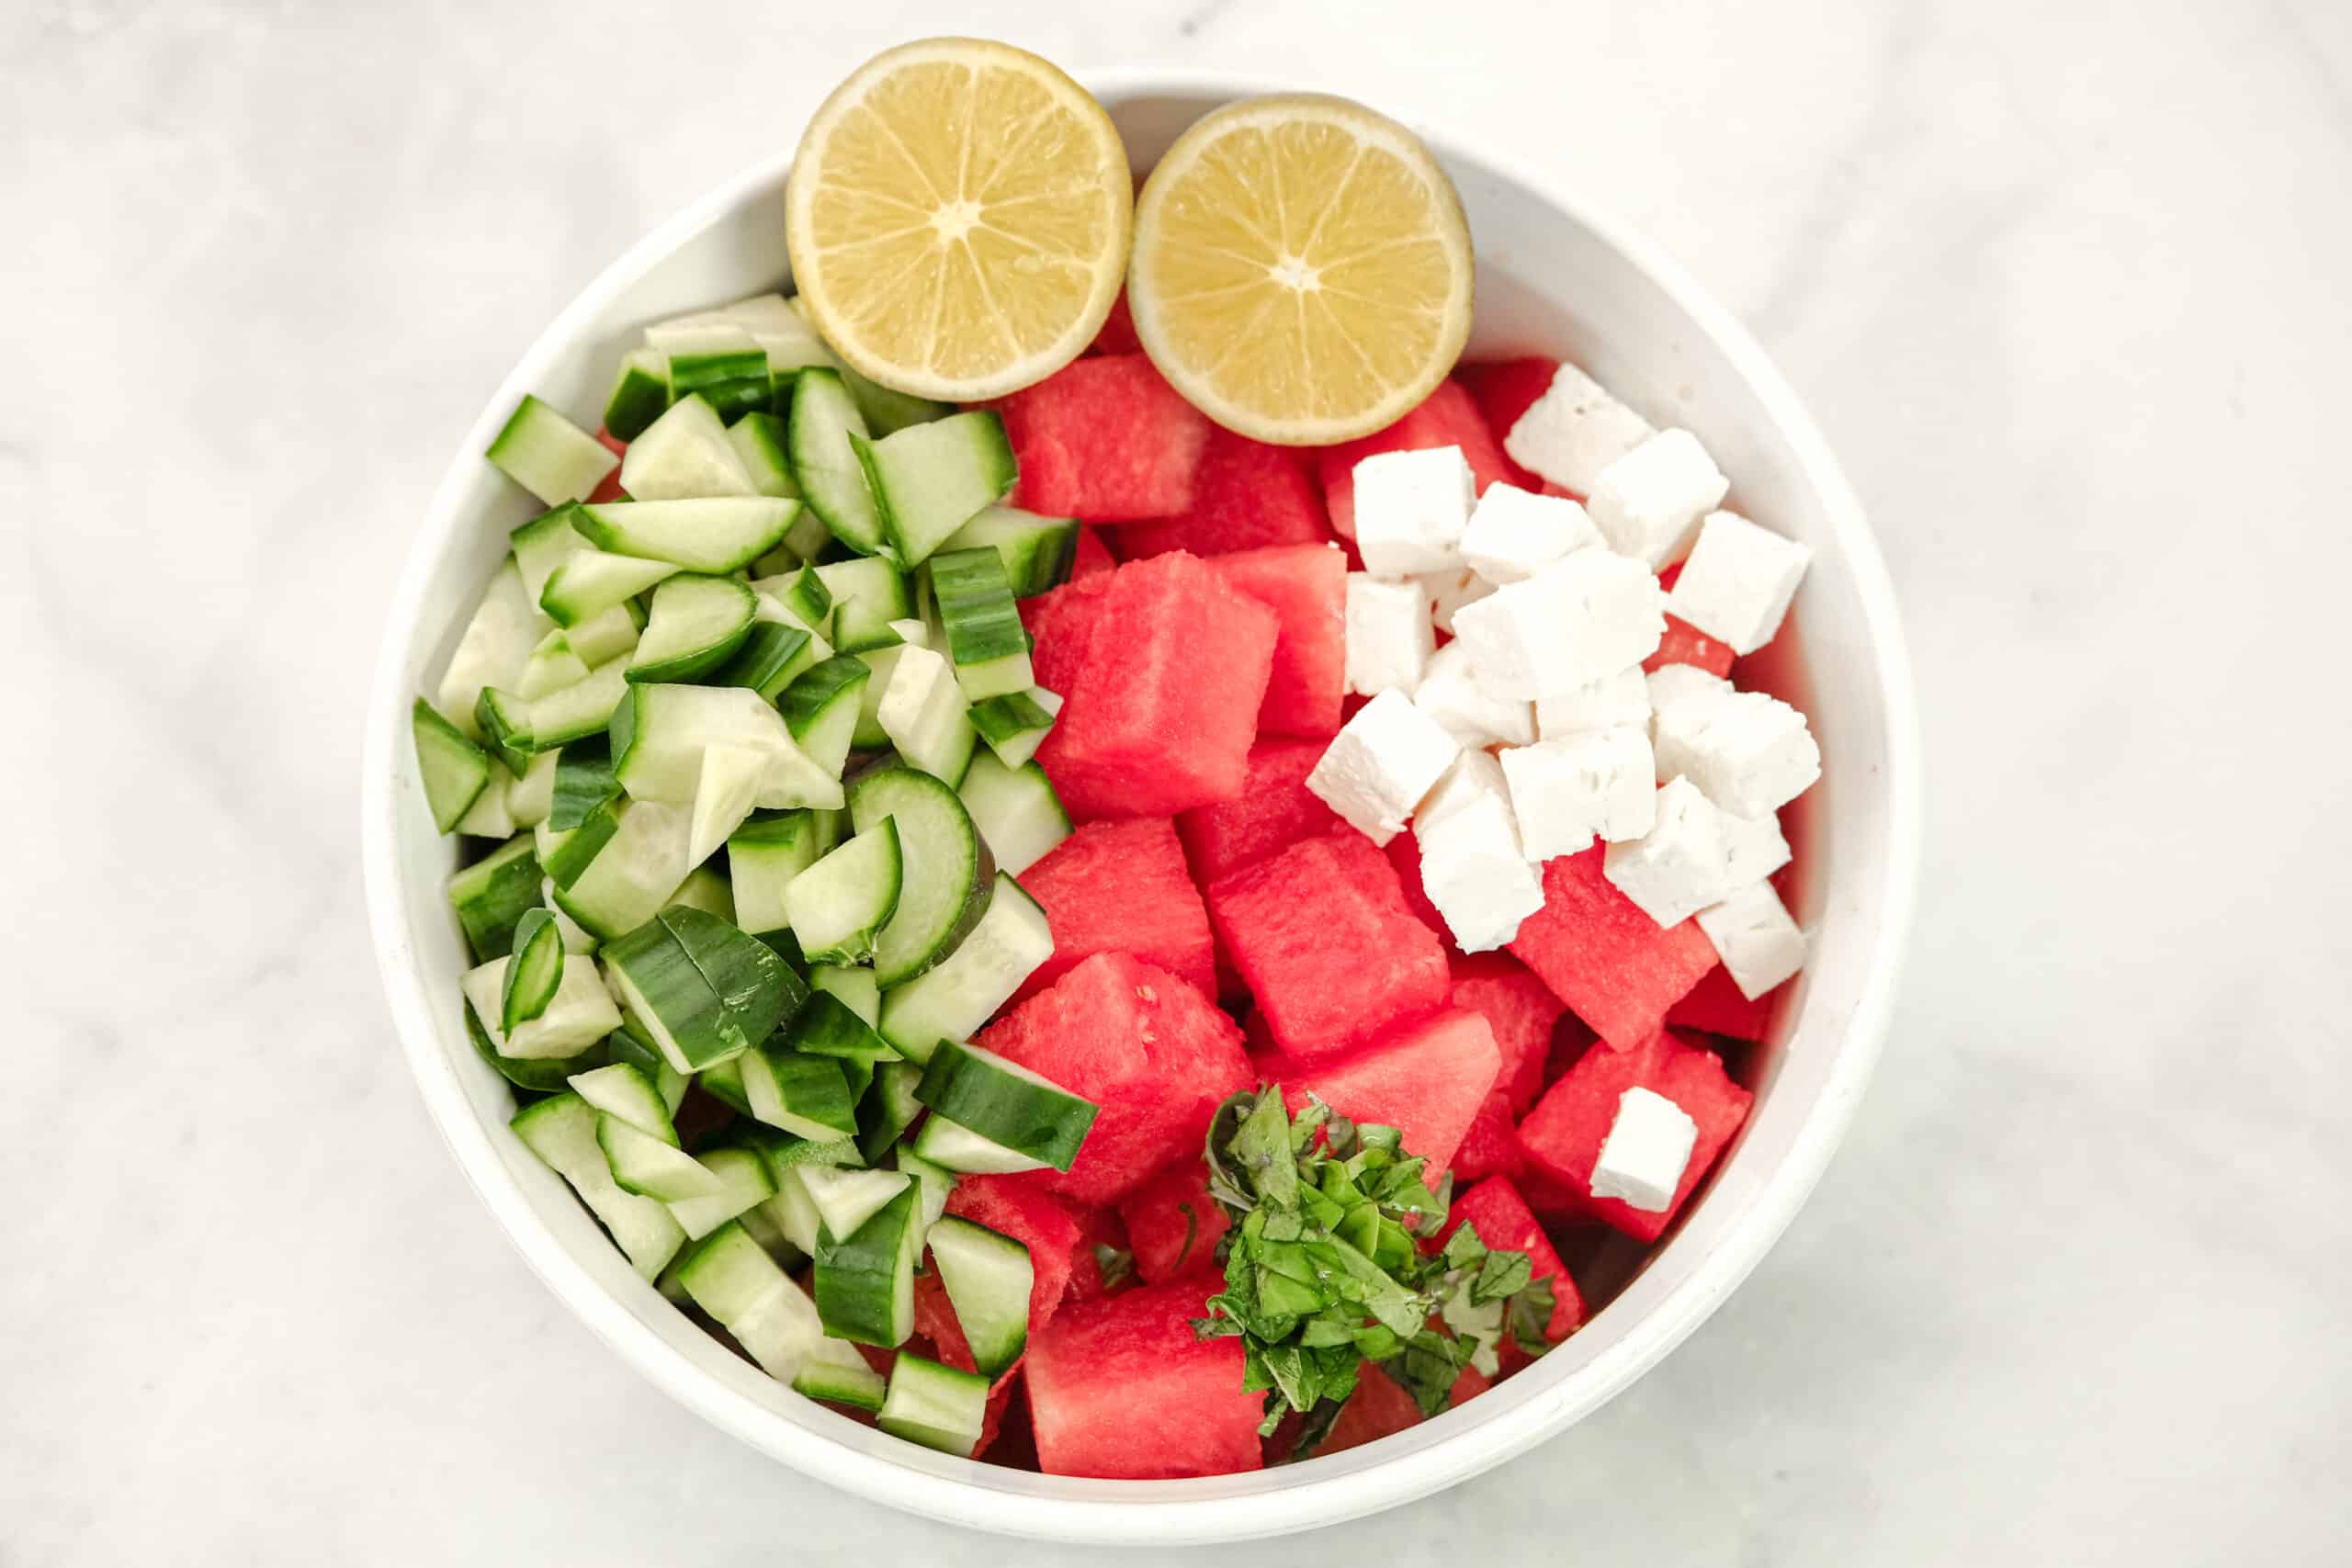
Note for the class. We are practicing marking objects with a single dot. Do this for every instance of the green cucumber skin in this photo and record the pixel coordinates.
(826, 1026)
(715, 535)
(536, 1075)
(953, 999)
(453, 770)
(820, 707)
(492, 895)
(866, 1282)
(583, 783)
(988, 1277)
(767, 661)
(929, 480)
(832, 483)
(970, 1087)
(723, 606)
(639, 396)
(547, 455)
(534, 971)
(716, 990)
(889, 1107)
(937, 839)
(938, 1407)
(811, 1090)
(976, 605)
(578, 849)
(562, 1131)
(839, 903)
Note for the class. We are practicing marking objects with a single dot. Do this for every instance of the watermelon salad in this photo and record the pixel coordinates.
(1091, 941)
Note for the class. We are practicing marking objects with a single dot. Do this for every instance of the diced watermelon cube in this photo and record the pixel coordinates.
(1121, 1387)
(1149, 1049)
(1564, 1133)
(1321, 934)
(1060, 624)
(609, 487)
(1446, 418)
(1306, 588)
(1424, 1079)
(1159, 714)
(1275, 810)
(1617, 968)
(1521, 1010)
(1496, 1209)
(1099, 1226)
(1121, 887)
(1092, 557)
(1505, 389)
(1118, 333)
(1404, 853)
(1246, 495)
(1173, 1225)
(1379, 1408)
(1019, 1207)
(1686, 644)
(1104, 439)
(1716, 1006)
(1491, 1145)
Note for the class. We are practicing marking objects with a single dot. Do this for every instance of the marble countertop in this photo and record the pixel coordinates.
(2065, 284)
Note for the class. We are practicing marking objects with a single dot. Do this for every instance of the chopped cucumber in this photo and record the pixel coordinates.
(889, 1107)
(866, 1281)
(806, 1096)
(855, 988)
(543, 544)
(743, 1185)
(684, 455)
(982, 624)
(827, 1026)
(603, 637)
(951, 1145)
(1037, 551)
(820, 708)
(644, 1165)
(1014, 726)
(623, 1089)
(1015, 810)
(549, 456)
(578, 1015)
(660, 732)
(490, 817)
(707, 890)
(640, 391)
(578, 710)
(588, 582)
(492, 650)
(934, 1183)
(539, 1075)
(929, 480)
(534, 971)
(453, 769)
(989, 1276)
(758, 439)
(825, 464)
(731, 1276)
(951, 1000)
(763, 857)
(937, 1407)
(838, 903)
(724, 798)
(716, 536)
(531, 797)
(947, 880)
(846, 1197)
(697, 624)
(492, 895)
(837, 1374)
(552, 666)
(772, 657)
(631, 1048)
(702, 989)
(805, 595)
(1005, 1102)
(924, 712)
(562, 1130)
(637, 856)
(734, 380)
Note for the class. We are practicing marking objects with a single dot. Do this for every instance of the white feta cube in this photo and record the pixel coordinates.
(1473, 776)
(1381, 763)
(1573, 431)
(1694, 854)
(1388, 636)
(1514, 534)
(1410, 510)
(1449, 590)
(1622, 699)
(1649, 1148)
(1580, 619)
(1751, 754)
(1473, 868)
(1451, 695)
(1739, 582)
(1568, 792)
(1647, 503)
(1752, 932)
(1672, 684)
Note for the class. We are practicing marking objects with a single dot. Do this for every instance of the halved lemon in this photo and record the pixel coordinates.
(957, 217)
(1302, 269)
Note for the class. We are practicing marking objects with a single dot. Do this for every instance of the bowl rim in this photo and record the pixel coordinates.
(1158, 1511)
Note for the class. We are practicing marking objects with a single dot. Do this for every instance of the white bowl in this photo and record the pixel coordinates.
(1552, 278)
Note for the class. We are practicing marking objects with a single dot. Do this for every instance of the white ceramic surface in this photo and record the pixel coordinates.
(1551, 279)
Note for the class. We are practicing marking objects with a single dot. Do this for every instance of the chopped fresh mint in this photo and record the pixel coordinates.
(1323, 1272)
(1115, 1267)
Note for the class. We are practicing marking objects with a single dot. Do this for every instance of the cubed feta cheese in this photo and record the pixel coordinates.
(1451, 695)
(1647, 503)
(1739, 582)
(1381, 763)
(1389, 639)
(1573, 431)
(1471, 776)
(1567, 792)
(1694, 854)
(1449, 591)
(1410, 510)
(1514, 534)
(1624, 698)
(1753, 934)
(1751, 754)
(1473, 869)
(1646, 1151)
(1580, 619)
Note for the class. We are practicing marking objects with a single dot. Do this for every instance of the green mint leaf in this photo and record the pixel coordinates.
(1501, 1274)
(1261, 1149)
(1315, 1429)
(1116, 1267)
(1464, 1248)
(1530, 1316)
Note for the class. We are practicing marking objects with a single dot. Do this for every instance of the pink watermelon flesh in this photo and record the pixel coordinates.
(1426, 1079)
(1491, 1145)
(1275, 810)
(1019, 1207)
(1717, 1005)
(1504, 390)
(1562, 1137)
(1246, 495)
(1379, 1408)
(1446, 418)
(1173, 1225)
(1121, 887)
(1603, 956)
(1321, 934)
(1404, 853)
(1149, 1049)
(1121, 1387)
(1093, 558)
(1306, 588)
(1104, 439)
(1060, 624)
(1118, 333)
(1160, 711)
(1519, 1009)
(1504, 1221)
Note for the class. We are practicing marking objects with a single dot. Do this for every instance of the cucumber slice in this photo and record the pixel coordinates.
(504, 722)
(547, 455)
(925, 716)
(1037, 551)
(846, 1198)
(1016, 811)
(543, 544)
(576, 1017)
(731, 1276)
(888, 1107)
(1005, 1102)
(951, 1000)
(934, 1183)
(453, 769)
(490, 817)
(565, 853)
(888, 411)
(878, 589)
(644, 1165)
(579, 710)
(866, 1281)
(562, 1130)
(854, 988)
(492, 650)
(804, 594)
(825, 465)
(640, 391)
(603, 638)
(734, 379)
(743, 1185)
(583, 783)
(716, 536)
(531, 797)
(806, 1096)
(702, 989)
(723, 1081)
(758, 440)
(534, 971)
(837, 1374)
(684, 455)
(827, 1026)
(988, 1276)
(838, 903)
(929, 480)
(492, 895)
(936, 1406)
(551, 667)
(588, 582)
(697, 624)
(707, 890)
(627, 879)
(947, 881)
(724, 798)
(763, 857)
(623, 1089)
(951, 1145)
(881, 664)
(1016, 725)
(539, 1075)
(660, 732)
(820, 708)
(982, 626)
(772, 656)
(629, 1048)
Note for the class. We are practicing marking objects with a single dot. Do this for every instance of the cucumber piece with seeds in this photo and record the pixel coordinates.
(684, 455)
(927, 480)
(838, 904)
(824, 422)
(947, 881)
(716, 535)
(562, 1130)
(697, 624)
